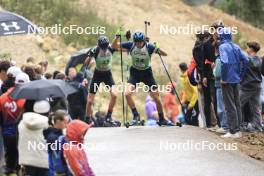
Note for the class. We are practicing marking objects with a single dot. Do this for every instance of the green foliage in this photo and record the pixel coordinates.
(248, 10)
(47, 13)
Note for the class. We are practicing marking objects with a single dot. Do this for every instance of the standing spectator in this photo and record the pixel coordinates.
(232, 70)
(75, 155)
(203, 55)
(4, 65)
(190, 101)
(12, 72)
(170, 104)
(48, 75)
(10, 112)
(30, 128)
(251, 88)
(52, 134)
(219, 95)
(29, 70)
(77, 101)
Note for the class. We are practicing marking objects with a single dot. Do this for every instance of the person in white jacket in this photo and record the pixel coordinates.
(33, 155)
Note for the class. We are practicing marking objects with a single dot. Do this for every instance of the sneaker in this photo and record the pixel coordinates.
(165, 122)
(221, 130)
(229, 135)
(214, 128)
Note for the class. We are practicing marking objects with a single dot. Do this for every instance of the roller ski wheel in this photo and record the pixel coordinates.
(165, 123)
(135, 123)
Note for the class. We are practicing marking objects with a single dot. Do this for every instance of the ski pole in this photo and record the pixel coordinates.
(122, 76)
(174, 89)
(147, 23)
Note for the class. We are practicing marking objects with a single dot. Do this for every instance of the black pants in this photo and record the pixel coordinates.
(11, 153)
(209, 98)
(232, 106)
(191, 115)
(35, 171)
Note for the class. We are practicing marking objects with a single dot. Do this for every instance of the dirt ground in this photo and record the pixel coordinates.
(251, 144)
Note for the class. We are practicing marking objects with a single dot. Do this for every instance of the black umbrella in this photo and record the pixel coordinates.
(42, 89)
(12, 24)
(77, 58)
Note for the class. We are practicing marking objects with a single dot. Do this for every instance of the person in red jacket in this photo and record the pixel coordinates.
(73, 149)
(10, 112)
(170, 104)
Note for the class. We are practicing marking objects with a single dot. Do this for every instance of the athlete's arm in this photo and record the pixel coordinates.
(116, 45)
(162, 53)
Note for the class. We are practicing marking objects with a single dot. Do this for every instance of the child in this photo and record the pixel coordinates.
(170, 104)
(219, 95)
(74, 153)
(251, 88)
(59, 121)
(190, 101)
(151, 111)
(34, 160)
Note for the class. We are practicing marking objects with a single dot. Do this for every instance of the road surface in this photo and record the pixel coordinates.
(165, 151)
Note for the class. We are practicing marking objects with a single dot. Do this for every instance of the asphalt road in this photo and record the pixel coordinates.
(165, 151)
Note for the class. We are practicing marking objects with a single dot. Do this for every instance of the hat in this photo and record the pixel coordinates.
(41, 106)
(14, 71)
(22, 78)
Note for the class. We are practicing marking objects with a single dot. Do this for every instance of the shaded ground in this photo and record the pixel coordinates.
(159, 151)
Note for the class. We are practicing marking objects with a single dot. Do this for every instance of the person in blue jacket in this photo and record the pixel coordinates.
(233, 65)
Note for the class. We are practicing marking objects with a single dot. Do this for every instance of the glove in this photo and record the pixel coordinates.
(157, 47)
(119, 32)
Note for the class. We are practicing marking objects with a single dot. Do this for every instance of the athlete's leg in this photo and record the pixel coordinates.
(90, 102)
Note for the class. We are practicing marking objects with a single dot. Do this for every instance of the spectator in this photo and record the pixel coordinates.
(34, 161)
(77, 101)
(251, 88)
(190, 101)
(48, 75)
(29, 70)
(4, 66)
(170, 104)
(232, 70)
(12, 72)
(55, 74)
(75, 156)
(151, 111)
(60, 76)
(219, 95)
(59, 122)
(10, 111)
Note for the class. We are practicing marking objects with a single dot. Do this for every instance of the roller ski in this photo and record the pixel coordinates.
(165, 122)
(135, 122)
(109, 122)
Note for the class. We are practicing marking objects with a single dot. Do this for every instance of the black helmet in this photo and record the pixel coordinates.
(103, 42)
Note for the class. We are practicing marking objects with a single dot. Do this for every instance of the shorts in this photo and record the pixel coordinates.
(145, 76)
(99, 77)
